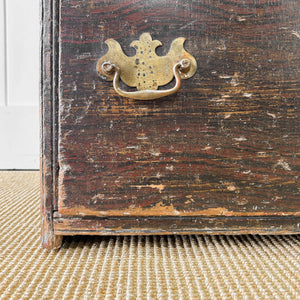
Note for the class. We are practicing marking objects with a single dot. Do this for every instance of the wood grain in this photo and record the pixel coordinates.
(226, 144)
(173, 225)
(48, 145)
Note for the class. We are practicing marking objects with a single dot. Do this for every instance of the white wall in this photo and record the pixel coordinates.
(19, 84)
(2, 54)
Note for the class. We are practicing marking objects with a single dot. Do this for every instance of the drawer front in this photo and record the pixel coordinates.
(226, 144)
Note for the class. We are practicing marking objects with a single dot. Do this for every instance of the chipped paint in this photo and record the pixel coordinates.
(160, 209)
(155, 152)
(189, 199)
(282, 163)
(225, 76)
(242, 201)
(142, 137)
(206, 148)
(133, 147)
(231, 188)
(160, 187)
(248, 95)
(240, 139)
(262, 154)
(296, 33)
(97, 197)
(241, 18)
(234, 81)
(271, 115)
(169, 167)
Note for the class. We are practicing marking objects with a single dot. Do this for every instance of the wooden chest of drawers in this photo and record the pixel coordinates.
(218, 155)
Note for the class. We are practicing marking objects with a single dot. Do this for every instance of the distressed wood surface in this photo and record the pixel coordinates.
(48, 145)
(173, 225)
(227, 144)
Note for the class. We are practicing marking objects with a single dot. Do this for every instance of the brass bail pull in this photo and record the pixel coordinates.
(182, 67)
(146, 71)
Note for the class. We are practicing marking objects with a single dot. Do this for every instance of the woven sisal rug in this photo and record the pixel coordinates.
(159, 267)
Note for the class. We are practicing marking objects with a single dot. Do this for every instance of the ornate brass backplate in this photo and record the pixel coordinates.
(146, 70)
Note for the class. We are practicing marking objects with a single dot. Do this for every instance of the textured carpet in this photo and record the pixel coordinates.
(159, 267)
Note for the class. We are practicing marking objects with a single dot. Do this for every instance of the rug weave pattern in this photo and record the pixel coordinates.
(159, 267)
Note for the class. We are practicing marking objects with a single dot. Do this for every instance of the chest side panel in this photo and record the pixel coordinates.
(226, 144)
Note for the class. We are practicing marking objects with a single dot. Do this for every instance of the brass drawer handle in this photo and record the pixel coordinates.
(146, 70)
(182, 67)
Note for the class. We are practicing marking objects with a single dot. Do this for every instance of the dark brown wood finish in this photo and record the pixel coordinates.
(175, 225)
(225, 146)
(48, 110)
